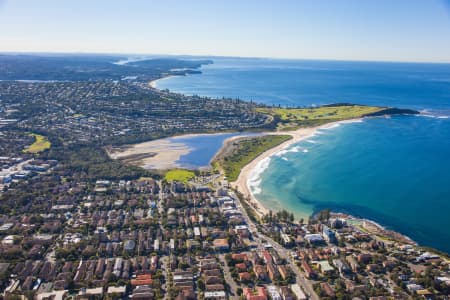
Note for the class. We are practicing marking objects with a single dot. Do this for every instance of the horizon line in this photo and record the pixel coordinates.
(19, 52)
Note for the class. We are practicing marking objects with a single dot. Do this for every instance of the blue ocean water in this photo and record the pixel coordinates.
(393, 170)
(306, 82)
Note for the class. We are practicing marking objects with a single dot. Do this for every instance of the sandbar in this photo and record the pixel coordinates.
(160, 154)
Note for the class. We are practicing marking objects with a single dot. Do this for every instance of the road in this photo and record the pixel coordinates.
(228, 279)
(303, 282)
(164, 259)
(164, 267)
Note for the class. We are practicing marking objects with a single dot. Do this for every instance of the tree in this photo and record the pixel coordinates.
(291, 218)
(201, 285)
(324, 215)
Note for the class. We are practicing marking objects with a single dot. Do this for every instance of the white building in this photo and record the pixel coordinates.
(8, 240)
(274, 293)
(298, 292)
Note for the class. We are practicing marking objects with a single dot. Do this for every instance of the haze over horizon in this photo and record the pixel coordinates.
(414, 30)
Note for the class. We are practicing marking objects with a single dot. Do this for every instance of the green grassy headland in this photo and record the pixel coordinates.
(242, 152)
(292, 118)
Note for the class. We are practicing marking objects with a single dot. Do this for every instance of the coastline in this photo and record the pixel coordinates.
(241, 184)
(375, 228)
(152, 83)
(248, 172)
(254, 168)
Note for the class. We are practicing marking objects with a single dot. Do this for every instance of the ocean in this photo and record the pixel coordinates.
(395, 171)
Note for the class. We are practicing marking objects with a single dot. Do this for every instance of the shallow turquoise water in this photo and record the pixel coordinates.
(395, 171)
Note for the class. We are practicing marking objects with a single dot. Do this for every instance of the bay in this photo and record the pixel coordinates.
(395, 171)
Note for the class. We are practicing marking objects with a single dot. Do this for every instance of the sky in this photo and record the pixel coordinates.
(387, 30)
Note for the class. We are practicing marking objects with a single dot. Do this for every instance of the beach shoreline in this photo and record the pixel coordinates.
(241, 184)
(152, 83)
(248, 172)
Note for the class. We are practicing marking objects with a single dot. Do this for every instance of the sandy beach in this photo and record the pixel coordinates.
(159, 154)
(153, 82)
(242, 183)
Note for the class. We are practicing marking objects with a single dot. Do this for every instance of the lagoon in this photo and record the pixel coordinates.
(190, 151)
(203, 147)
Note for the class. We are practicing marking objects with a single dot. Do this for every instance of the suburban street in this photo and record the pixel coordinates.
(301, 280)
(228, 279)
